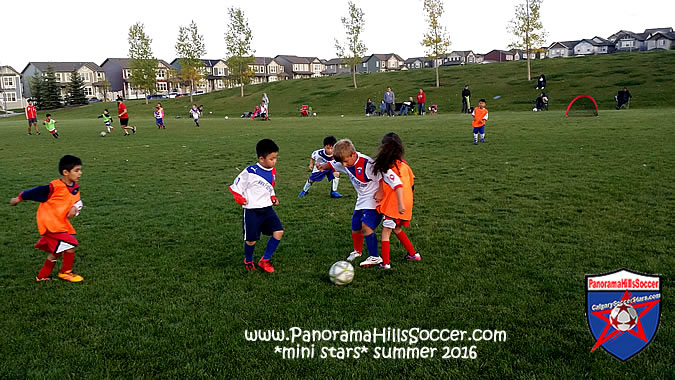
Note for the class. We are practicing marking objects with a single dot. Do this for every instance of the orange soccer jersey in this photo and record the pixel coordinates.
(406, 179)
(478, 115)
(52, 214)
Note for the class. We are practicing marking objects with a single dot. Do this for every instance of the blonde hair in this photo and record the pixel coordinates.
(342, 149)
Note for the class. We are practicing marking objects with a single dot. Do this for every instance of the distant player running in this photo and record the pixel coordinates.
(318, 158)
(480, 116)
(107, 120)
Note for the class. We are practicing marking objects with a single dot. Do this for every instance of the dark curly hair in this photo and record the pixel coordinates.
(389, 152)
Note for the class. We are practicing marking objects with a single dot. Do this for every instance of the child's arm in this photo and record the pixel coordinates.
(399, 198)
(238, 187)
(37, 194)
(379, 195)
(311, 164)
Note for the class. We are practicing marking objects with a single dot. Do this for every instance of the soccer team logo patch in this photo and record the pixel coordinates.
(623, 311)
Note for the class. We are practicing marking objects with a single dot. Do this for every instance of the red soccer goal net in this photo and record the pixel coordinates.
(582, 105)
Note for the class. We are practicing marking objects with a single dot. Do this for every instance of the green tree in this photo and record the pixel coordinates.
(142, 64)
(436, 39)
(37, 89)
(75, 90)
(51, 96)
(527, 28)
(239, 52)
(190, 48)
(353, 49)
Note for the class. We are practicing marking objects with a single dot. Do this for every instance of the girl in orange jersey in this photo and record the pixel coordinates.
(395, 198)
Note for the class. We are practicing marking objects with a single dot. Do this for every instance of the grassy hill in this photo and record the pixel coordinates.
(648, 75)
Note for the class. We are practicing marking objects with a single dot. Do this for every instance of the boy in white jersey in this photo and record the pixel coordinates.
(320, 157)
(365, 219)
(253, 189)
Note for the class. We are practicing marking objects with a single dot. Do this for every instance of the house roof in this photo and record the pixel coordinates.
(667, 35)
(63, 66)
(566, 44)
(9, 68)
(421, 59)
(627, 33)
(654, 30)
(262, 60)
(462, 53)
(335, 61)
(597, 41)
(383, 57)
(124, 62)
(293, 58)
(211, 62)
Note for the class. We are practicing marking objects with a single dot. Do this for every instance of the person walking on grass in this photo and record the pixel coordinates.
(123, 115)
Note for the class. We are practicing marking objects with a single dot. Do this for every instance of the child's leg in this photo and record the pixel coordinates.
(47, 267)
(68, 259)
(308, 184)
(386, 234)
(335, 181)
(475, 134)
(371, 240)
(357, 241)
(249, 247)
(412, 254)
(482, 134)
(272, 244)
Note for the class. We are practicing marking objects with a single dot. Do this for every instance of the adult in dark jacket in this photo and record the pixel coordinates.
(541, 82)
(622, 98)
(389, 100)
(466, 100)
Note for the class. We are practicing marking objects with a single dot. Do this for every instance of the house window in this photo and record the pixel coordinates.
(219, 83)
(85, 77)
(377, 63)
(295, 68)
(366, 65)
(8, 82)
(88, 91)
(627, 43)
(661, 42)
(273, 69)
(100, 75)
(161, 86)
(317, 68)
(161, 74)
(10, 97)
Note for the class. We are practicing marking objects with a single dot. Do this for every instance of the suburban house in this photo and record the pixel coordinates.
(11, 91)
(276, 71)
(118, 72)
(93, 76)
(498, 56)
(336, 66)
(625, 40)
(214, 75)
(418, 63)
(259, 68)
(380, 62)
(521, 55)
(561, 49)
(296, 67)
(661, 40)
(316, 66)
(595, 45)
(461, 57)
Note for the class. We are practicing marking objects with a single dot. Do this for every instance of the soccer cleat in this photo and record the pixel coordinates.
(353, 255)
(71, 277)
(266, 265)
(475, 142)
(249, 266)
(385, 266)
(133, 129)
(302, 194)
(30, 134)
(415, 257)
(335, 194)
(40, 279)
(371, 261)
(482, 140)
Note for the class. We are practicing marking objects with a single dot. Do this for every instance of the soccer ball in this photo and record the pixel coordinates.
(103, 134)
(314, 114)
(226, 117)
(623, 317)
(534, 109)
(341, 273)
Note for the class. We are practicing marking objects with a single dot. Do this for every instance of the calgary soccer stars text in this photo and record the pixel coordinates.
(389, 343)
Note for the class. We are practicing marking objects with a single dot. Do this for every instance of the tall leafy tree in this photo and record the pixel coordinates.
(142, 63)
(353, 49)
(239, 52)
(436, 39)
(75, 90)
(37, 89)
(51, 96)
(527, 28)
(190, 48)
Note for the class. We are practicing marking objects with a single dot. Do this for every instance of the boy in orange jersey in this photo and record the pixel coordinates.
(59, 201)
(480, 116)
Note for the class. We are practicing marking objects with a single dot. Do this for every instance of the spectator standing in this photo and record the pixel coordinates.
(466, 100)
(421, 99)
(389, 99)
(541, 82)
(31, 115)
(622, 98)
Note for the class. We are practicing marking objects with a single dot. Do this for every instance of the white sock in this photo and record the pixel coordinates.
(336, 180)
(307, 186)
(475, 136)
(482, 135)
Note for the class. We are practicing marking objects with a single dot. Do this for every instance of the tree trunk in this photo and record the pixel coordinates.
(242, 90)
(438, 83)
(192, 85)
(529, 77)
(354, 77)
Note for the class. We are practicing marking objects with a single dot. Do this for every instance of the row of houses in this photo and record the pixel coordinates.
(15, 86)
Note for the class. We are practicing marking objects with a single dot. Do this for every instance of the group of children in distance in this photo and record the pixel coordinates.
(384, 188)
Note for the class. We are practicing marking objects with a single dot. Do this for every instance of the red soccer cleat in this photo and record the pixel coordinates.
(266, 265)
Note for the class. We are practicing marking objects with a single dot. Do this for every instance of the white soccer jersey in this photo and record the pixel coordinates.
(256, 184)
(365, 181)
(195, 113)
(392, 179)
(320, 158)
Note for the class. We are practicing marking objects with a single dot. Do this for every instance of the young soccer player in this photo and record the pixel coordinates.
(398, 182)
(253, 189)
(480, 116)
(159, 116)
(194, 111)
(320, 157)
(365, 219)
(49, 124)
(59, 201)
(107, 120)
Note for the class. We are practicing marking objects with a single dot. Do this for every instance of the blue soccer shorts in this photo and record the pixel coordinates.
(260, 220)
(480, 130)
(369, 217)
(319, 176)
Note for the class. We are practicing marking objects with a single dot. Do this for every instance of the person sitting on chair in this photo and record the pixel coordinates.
(370, 107)
(623, 98)
(383, 108)
(406, 106)
(304, 110)
(542, 102)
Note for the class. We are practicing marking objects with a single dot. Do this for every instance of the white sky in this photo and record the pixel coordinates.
(72, 30)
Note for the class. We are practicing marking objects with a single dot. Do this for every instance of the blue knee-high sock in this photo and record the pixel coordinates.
(371, 244)
(248, 252)
(272, 245)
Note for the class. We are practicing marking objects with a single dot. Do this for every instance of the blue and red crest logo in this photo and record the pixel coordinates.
(623, 311)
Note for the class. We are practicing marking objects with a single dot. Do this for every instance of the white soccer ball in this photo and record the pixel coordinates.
(226, 117)
(623, 317)
(342, 115)
(341, 273)
(534, 109)
(210, 112)
(104, 133)
(314, 114)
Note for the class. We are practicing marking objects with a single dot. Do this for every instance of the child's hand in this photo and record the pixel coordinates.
(311, 167)
(401, 209)
(379, 195)
(72, 212)
(14, 201)
(275, 200)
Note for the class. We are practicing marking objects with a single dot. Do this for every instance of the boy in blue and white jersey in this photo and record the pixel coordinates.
(365, 219)
(253, 189)
(321, 157)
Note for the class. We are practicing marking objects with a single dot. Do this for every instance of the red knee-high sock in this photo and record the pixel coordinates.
(46, 268)
(357, 239)
(406, 242)
(68, 258)
(385, 252)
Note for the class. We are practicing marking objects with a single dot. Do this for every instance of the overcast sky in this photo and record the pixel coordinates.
(71, 30)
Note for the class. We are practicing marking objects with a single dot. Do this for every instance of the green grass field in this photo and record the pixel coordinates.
(507, 230)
